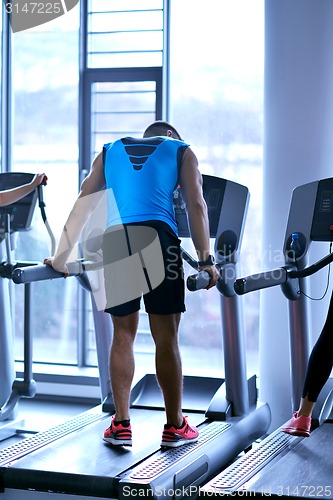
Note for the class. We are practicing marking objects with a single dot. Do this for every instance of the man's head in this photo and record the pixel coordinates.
(161, 127)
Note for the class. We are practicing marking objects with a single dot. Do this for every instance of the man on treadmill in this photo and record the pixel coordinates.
(140, 176)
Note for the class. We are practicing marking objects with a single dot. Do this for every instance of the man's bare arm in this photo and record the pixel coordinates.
(191, 189)
(196, 208)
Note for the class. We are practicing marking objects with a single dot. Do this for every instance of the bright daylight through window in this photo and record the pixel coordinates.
(216, 101)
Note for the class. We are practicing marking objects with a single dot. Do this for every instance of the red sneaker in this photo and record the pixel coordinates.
(118, 435)
(298, 426)
(173, 437)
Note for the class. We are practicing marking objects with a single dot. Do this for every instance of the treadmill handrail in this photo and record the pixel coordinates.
(198, 281)
(43, 272)
(312, 269)
(258, 281)
(278, 276)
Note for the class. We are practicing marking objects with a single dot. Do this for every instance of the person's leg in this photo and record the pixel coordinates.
(306, 407)
(318, 371)
(122, 362)
(164, 329)
(119, 433)
(319, 365)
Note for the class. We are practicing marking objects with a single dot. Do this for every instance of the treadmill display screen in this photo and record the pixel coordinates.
(20, 212)
(322, 221)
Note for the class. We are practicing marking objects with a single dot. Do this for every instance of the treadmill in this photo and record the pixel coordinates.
(14, 218)
(71, 459)
(284, 465)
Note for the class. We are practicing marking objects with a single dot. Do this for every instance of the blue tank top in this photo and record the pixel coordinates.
(141, 176)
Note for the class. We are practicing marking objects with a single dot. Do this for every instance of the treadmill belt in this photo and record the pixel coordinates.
(82, 463)
(83, 451)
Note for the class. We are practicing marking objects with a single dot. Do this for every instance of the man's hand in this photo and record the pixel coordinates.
(57, 266)
(214, 275)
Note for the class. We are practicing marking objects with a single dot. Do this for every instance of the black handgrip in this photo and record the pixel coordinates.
(198, 281)
(40, 193)
(314, 268)
(7, 223)
(261, 280)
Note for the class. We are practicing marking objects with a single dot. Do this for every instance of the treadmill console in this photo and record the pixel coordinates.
(322, 222)
(21, 211)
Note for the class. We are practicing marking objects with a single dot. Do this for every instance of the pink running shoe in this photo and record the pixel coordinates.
(118, 435)
(173, 437)
(298, 426)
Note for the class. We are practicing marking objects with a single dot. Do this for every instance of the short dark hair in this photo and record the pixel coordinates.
(160, 127)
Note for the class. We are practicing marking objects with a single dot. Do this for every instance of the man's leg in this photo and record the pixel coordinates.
(164, 329)
(122, 362)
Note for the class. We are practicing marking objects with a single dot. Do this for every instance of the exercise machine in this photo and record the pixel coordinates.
(14, 218)
(285, 465)
(225, 409)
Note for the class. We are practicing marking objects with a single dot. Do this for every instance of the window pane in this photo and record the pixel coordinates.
(45, 135)
(127, 60)
(142, 41)
(125, 34)
(120, 109)
(122, 97)
(217, 105)
(108, 22)
(116, 5)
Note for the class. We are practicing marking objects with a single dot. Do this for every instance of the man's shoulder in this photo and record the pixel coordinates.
(145, 141)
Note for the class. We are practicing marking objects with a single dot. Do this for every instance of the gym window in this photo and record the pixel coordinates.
(106, 69)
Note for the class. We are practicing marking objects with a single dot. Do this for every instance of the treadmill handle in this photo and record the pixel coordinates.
(259, 281)
(44, 272)
(198, 281)
(310, 270)
(278, 276)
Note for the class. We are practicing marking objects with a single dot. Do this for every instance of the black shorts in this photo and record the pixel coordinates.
(143, 259)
